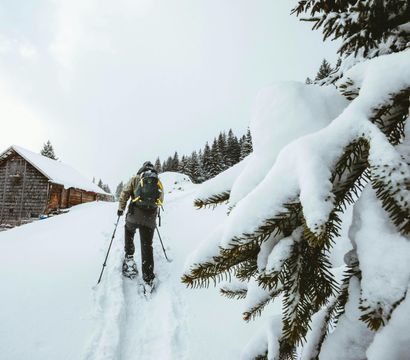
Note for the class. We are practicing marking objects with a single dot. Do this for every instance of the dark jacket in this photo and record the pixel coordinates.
(136, 216)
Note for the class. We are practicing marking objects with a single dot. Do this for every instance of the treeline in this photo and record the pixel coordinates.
(103, 186)
(225, 151)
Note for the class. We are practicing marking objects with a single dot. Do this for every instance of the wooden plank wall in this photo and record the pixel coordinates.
(61, 198)
(80, 196)
(23, 191)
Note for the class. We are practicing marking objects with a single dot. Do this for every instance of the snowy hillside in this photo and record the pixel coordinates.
(51, 309)
(175, 182)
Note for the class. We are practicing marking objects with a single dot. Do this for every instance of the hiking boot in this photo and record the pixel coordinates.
(129, 267)
(150, 285)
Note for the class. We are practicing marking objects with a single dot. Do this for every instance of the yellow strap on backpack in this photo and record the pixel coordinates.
(136, 199)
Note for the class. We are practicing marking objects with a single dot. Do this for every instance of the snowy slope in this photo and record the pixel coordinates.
(51, 311)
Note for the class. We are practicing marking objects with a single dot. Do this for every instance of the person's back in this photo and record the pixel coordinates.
(146, 193)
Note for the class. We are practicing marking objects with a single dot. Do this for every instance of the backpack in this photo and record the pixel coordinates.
(147, 194)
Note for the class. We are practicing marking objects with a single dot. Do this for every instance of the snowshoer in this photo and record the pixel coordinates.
(146, 193)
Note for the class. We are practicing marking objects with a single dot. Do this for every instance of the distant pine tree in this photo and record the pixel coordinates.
(324, 70)
(216, 160)
(119, 190)
(308, 81)
(158, 166)
(194, 169)
(233, 149)
(222, 146)
(168, 164)
(183, 165)
(175, 162)
(207, 163)
(246, 146)
(48, 151)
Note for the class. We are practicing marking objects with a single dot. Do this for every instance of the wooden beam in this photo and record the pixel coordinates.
(22, 191)
(4, 191)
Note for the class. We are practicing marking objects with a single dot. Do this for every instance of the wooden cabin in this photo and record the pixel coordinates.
(32, 185)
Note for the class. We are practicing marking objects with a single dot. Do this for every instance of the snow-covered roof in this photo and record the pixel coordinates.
(56, 171)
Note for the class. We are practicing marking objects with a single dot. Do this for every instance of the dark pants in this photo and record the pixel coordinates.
(147, 258)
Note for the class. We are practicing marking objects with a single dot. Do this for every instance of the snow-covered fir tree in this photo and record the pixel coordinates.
(216, 160)
(324, 71)
(194, 168)
(233, 150)
(207, 163)
(157, 165)
(246, 145)
(224, 156)
(175, 162)
(168, 165)
(183, 165)
(48, 151)
(286, 208)
(222, 146)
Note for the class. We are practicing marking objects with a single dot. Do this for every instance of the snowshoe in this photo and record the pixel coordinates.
(129, 267)
(150, 286)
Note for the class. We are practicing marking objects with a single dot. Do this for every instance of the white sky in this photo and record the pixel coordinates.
(115, 83)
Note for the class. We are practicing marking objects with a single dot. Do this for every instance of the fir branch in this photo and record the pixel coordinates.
(262, 356)
(256, 310)
(221, 266)
(377, 316)
(246, 270)
(287, 351)
(348, 89)
(213, 200)
(324, 330)
(392, 193)
(234, 294)
(343, 295)
(308, 283)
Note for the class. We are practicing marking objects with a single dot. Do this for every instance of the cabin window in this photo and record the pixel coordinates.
(11, 211)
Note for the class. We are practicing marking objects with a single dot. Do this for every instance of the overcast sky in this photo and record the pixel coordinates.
(115, 83)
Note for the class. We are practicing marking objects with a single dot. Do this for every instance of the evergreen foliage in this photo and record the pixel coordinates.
(324, 70)
(175, 162)
(367, 28)
(118, 191)
(226, 151)
(304, 279)
(246, 145)
(104, 187)
(194, 168)
(157, 165)
(48, 151)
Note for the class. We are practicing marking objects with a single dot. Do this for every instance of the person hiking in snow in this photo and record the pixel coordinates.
(146, 193)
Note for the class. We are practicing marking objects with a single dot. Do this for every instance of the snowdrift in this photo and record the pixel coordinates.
(51, 311)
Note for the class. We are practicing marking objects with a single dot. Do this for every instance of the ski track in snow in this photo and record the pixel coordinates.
(131, 326)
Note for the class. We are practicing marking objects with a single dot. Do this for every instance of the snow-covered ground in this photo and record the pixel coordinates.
(51, 309)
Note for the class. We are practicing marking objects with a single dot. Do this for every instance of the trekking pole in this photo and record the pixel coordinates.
(165, 253)
(109, 248)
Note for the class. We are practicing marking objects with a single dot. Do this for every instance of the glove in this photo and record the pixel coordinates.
(120, 212)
